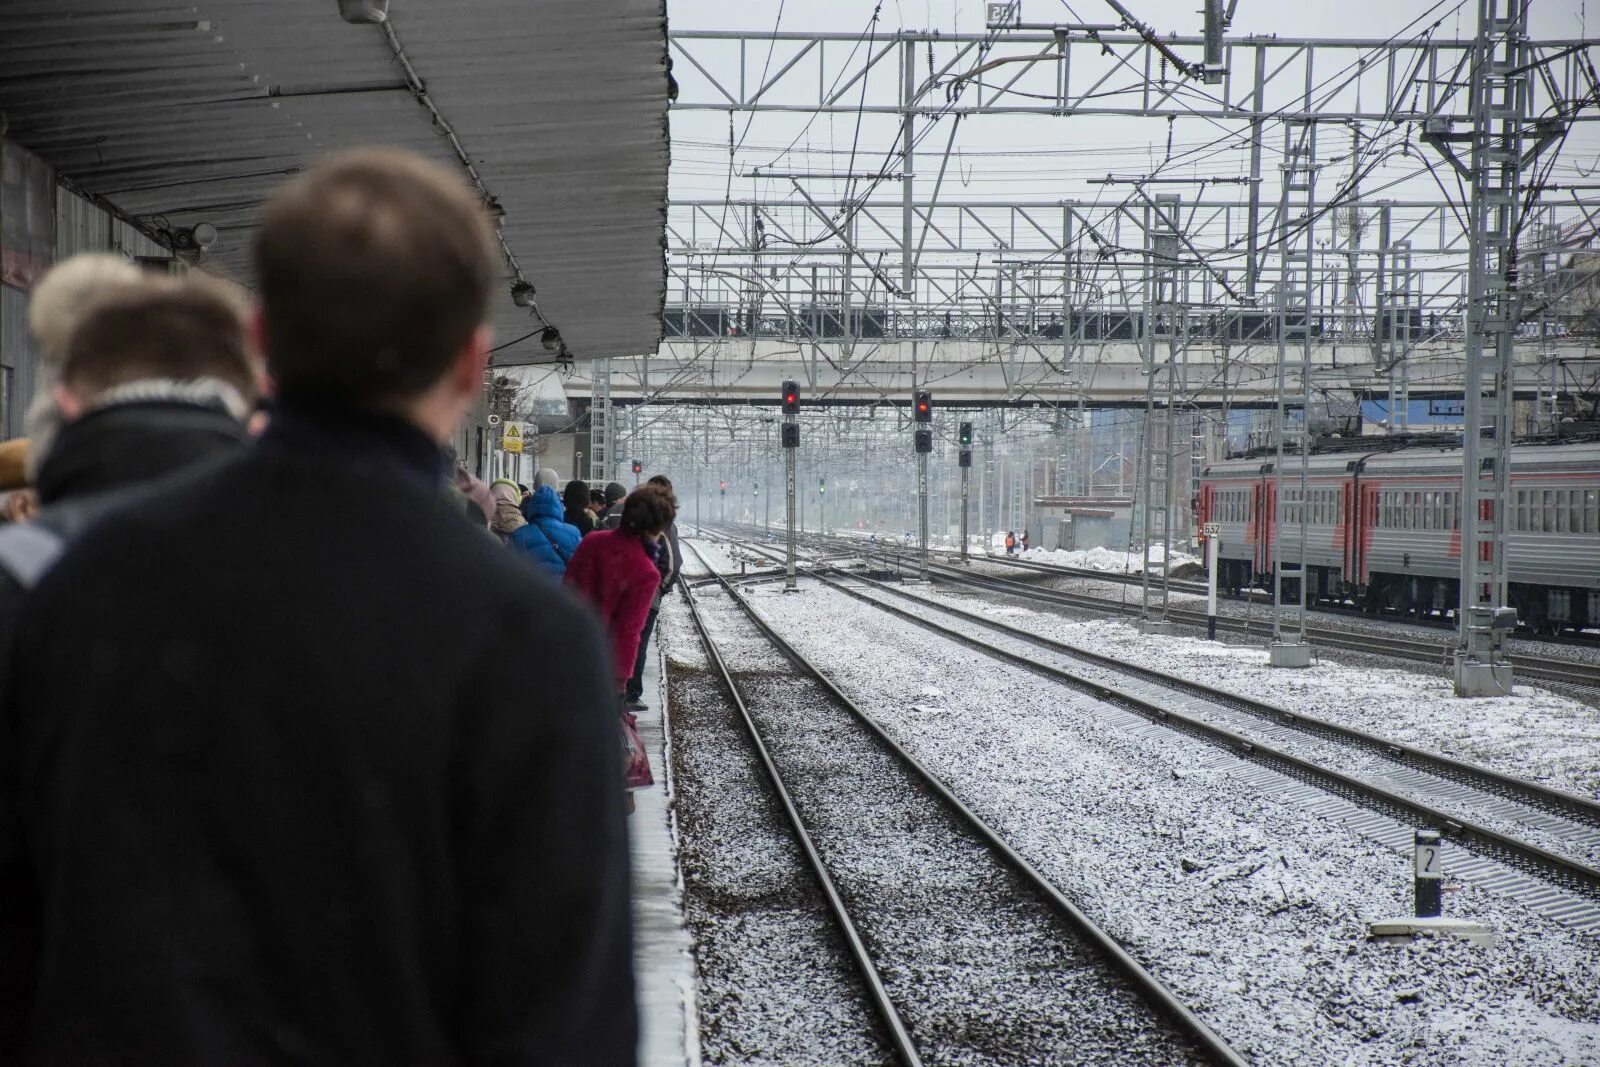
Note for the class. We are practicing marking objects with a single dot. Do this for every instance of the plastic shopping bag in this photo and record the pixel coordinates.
(635, 760)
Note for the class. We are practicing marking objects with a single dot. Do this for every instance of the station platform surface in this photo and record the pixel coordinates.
(663, 951)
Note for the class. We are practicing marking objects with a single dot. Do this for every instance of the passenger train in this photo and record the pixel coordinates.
(1384, 531)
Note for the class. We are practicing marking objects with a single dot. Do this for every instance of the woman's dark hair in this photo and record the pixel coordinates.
(649, 509)
(597, 498)
(575, 497)
(662, 480)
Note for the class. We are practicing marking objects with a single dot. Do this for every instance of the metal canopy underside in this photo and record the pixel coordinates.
(194, 112)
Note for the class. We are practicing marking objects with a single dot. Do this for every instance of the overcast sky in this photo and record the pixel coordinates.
(1320, 18)
(998, 157)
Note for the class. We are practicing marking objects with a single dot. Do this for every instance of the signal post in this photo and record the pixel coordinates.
(791, 443)
(965, 462)
(922, 412)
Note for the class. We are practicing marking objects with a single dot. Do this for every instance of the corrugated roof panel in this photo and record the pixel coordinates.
(197, 111)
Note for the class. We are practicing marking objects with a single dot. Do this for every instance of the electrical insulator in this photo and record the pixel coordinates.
(923, 408)
(791, 398)
(924, 439)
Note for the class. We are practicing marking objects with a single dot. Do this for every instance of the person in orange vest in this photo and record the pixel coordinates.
(1024, 540)
(1011, 543)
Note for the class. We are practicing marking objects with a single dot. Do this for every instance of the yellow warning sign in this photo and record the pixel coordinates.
(511, 437)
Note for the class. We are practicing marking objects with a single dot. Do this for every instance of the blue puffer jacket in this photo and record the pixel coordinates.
(547, 538)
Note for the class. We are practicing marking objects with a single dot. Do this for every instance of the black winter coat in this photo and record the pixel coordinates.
(275, 800)
(97, 460)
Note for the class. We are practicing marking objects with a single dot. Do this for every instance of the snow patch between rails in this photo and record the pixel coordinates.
(1253, 911)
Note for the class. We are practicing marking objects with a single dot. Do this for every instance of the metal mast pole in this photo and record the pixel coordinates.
(908, 90)
(1499, 88)
(965, 478)
(1295, 277)
(1162, 287)
(922, 513)
(789, 584)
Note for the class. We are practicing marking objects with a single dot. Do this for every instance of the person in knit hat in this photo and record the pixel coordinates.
(612, 515)
(547, 476)
(507, 518)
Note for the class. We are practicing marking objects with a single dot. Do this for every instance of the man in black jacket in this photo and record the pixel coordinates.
(156, 377)
(277, 803)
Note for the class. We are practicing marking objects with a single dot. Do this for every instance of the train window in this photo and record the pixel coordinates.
(1549, 511)
(1591, 511)
(1575, 510)
(1522, 509)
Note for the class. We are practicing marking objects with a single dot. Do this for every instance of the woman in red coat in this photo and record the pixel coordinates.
(615, 571)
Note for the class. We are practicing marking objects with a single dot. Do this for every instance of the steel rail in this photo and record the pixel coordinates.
(1544, 797)
(888, 1014)
(1572, 673)
(1162, 999)
(1470, 835)
(1487, 779)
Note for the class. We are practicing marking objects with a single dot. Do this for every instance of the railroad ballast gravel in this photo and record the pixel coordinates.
(1252, 911)
(776, 987)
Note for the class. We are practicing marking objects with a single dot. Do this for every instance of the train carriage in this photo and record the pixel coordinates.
(1384, 528)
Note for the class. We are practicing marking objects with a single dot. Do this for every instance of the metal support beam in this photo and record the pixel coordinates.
(1292, 504)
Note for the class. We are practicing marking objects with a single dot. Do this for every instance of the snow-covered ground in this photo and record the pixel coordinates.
(1534, 734)
(1252, 910)
(982, 973)
(776, 987)
(1261, 608)
(1571, 840)
(1105, 559)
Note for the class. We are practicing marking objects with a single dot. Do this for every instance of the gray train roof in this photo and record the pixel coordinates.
(1579, 456)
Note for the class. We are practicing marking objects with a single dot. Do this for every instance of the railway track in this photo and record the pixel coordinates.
(850, 791)
(1581, 678)
(1552, 835)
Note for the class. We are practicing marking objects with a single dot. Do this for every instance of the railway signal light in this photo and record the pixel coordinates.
(791, 397)
(965, 435)
(637, 466)
(966, 458)
(791, 435)
(924, 440)
(822, 485)
(723, 486)
(923, 407)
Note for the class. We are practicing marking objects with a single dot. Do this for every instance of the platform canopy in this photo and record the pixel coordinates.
(188, 113)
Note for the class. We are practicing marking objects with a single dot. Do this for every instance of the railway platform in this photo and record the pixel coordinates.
(663, 950)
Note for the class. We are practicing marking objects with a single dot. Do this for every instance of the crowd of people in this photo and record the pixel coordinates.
(274, 787)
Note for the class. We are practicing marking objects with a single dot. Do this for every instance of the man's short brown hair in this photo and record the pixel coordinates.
(181, 330)
(375, 267)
